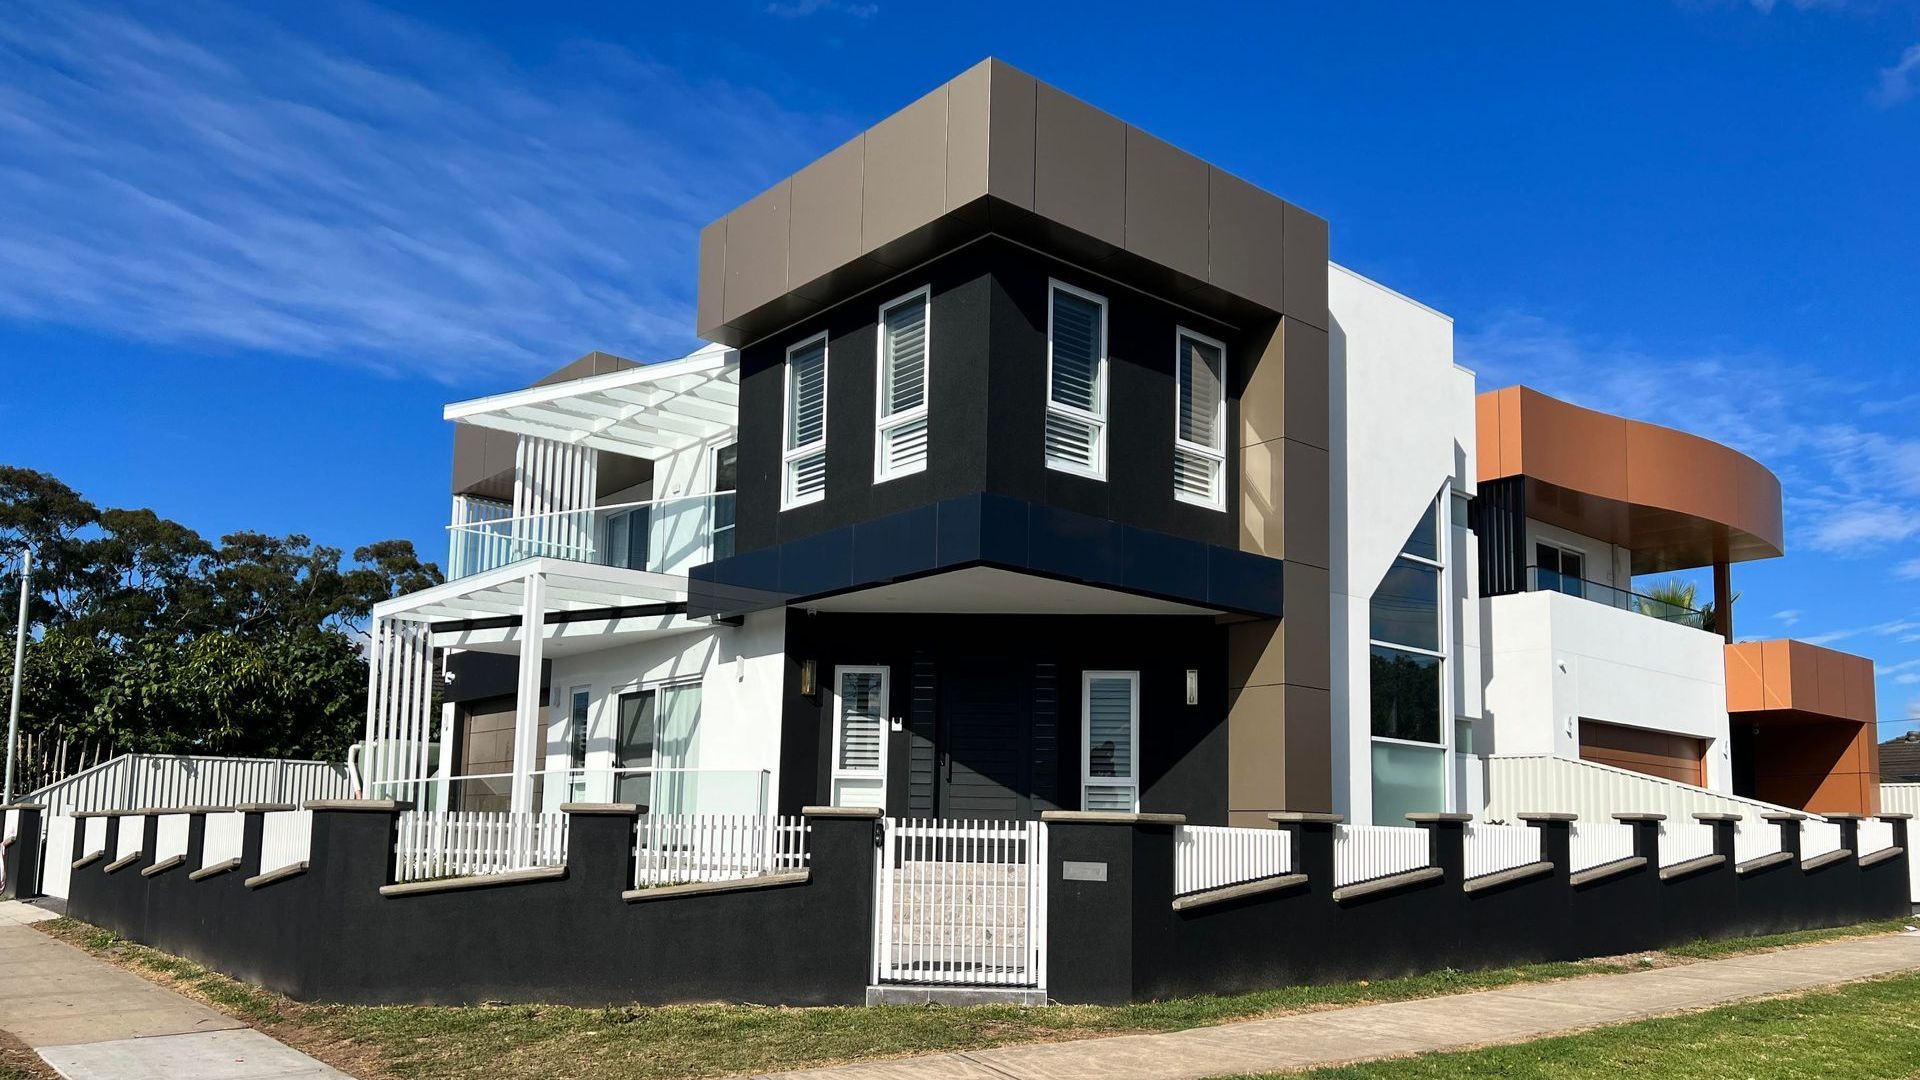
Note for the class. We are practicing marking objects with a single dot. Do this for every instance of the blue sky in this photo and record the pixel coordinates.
(248, 251)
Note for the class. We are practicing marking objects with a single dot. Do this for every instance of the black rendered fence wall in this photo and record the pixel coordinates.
(330, 935)
(1120, 940)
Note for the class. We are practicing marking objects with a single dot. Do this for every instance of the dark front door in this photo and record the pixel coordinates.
(985, 756)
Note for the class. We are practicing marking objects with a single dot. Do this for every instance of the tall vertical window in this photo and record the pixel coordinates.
(1407, 651)
(579, 704)
(1110, 740)
(1076, 381)
(900, 447)
(1200, 420)
(860, 736)
(805, 460)
(726, 481)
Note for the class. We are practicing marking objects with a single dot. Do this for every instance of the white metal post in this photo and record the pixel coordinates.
(527, 697)
(19, 661)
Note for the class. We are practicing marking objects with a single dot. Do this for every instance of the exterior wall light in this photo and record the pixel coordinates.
(809, 678)
(1193, 686)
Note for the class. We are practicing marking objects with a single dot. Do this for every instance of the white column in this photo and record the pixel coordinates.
(527, 697)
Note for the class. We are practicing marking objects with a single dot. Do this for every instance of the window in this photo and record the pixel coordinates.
(1200, 420)
(1076, 381)
(1560, 569)
(633, 749)
(805, 459)
(726, 481)
(1110, 740)
(628, 536)
(1406, 658)
(676, 748)
(579, 702)
(860, 736)
(900, 446)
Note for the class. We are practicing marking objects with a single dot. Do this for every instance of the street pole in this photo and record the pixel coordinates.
(19, 661)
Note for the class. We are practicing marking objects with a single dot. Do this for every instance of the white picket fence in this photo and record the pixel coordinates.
(170, 836)
(1905, 799)
(169, 781)
(222, 839)
(1365, 852)
(1754, 839)
(1493, 848)
(673, 849)
(1684, 840)
(1875, 835)
(1215, 856)
(133, 829)
(1597, 843)
(286, 839)
(1818, 838)
(466, 843)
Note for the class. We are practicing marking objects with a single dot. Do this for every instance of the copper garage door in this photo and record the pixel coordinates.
(1655, 753)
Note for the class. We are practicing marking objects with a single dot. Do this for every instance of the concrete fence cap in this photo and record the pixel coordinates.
(611, 809)
(1547, 815)
(1844, 816)
(263, 807)
(371, 806)
(1708, 815)
(1306, 817)
(24, 806)
(867, 812)
(1896, 817)
(194, 810)
(1431, 817)
(1110, 817)
(1639, 816)
(1778, 818)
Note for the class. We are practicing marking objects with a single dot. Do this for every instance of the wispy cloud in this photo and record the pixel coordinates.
(1898, 83)
(800, 9)
(1787, 617)
(1908, 570)
(394, 195)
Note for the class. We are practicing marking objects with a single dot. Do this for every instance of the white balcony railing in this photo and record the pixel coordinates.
(667, 536)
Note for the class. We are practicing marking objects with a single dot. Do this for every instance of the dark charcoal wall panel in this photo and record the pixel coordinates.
(986, 402)
(1183, 763)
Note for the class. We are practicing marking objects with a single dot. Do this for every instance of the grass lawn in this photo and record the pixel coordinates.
(717, 1040)
(1866, 1031)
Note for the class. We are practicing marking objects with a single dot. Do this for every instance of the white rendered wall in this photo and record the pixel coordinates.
(1554, 659)
(740, 671)
(1402, 433)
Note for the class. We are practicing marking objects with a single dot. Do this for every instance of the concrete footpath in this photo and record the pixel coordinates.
(93, 1021)
(1340, 1036)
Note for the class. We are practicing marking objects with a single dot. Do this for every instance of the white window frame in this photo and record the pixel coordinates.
(1087, 779)
(882, 421)
(789, 455)
(1449, 793)
(714, 491)
(1217, 455)
(835, 772)
(1098, 421)
(1563, 549)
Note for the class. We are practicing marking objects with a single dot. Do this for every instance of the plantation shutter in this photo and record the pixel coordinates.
(1198, 460)
(903, 391)
(807, 421)
(862, 726)
(1078, 347)
(1110, 713)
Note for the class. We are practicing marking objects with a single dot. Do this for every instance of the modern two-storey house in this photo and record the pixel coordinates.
(1038, 464)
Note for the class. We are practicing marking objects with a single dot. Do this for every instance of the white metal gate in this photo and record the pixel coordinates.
(961, 903)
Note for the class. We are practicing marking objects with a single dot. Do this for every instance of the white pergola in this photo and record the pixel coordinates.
(400, 723)
(650, 411)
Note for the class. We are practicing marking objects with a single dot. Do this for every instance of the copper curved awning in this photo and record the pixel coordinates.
(1676, 500)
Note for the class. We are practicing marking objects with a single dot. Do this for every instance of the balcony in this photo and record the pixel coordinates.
(664, 536)
(1541, 579)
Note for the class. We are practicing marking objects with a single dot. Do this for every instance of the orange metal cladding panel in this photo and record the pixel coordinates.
(1572, 447)
(1832, 698)
(1777, 673)
(1676, 471)
(1488, 432)
(1745, 682)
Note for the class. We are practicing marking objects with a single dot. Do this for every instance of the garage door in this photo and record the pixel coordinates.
(1654, 753)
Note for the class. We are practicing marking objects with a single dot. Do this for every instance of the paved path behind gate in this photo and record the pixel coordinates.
(1339, 1036)
(93, 1021)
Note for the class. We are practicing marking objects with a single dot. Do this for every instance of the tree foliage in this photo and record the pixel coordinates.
(149, 636)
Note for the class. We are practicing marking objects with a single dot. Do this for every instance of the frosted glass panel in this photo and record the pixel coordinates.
(1406, 780)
